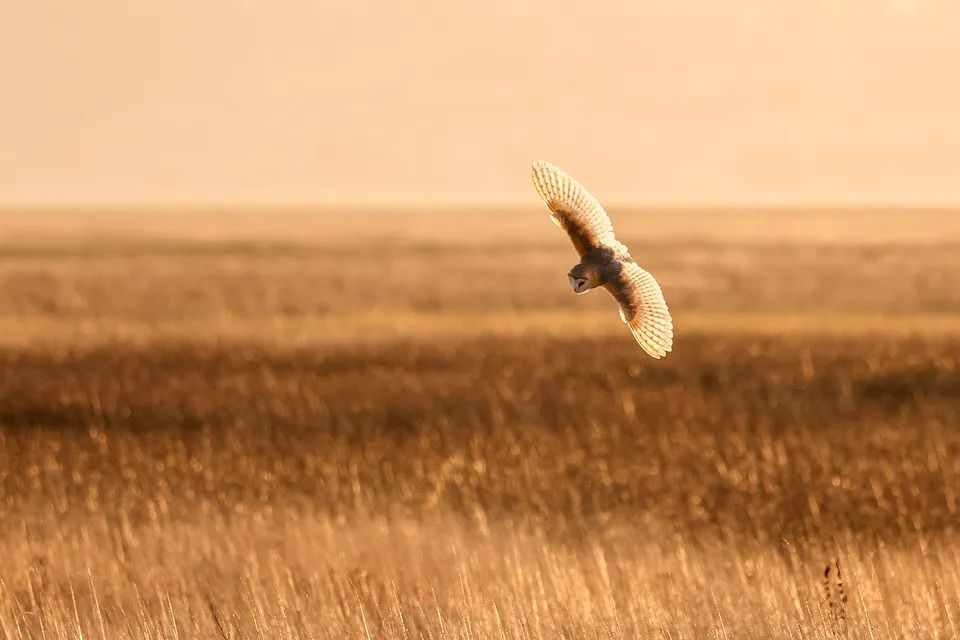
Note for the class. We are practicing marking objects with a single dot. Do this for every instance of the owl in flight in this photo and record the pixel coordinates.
(604, 260)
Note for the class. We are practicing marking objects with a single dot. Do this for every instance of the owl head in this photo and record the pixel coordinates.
(582, 278)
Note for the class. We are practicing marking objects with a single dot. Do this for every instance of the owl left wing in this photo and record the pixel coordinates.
(574, 209)
(643, 308)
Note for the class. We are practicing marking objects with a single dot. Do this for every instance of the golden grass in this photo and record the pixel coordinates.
(286, 576)
(293, 438)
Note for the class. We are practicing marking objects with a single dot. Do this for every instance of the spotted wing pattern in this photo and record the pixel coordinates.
(575, 210)
(643, 308)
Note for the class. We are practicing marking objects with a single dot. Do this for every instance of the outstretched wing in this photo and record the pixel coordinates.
(574, 209)
(643, 308)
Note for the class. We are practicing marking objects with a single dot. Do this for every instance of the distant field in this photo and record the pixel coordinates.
(375, 425)
(310, 277)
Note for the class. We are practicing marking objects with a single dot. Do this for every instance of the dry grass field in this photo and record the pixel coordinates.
(387, 425)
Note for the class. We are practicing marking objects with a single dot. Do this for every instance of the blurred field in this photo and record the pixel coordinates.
(376, 425)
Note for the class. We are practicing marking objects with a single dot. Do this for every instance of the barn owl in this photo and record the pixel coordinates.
(604, 260)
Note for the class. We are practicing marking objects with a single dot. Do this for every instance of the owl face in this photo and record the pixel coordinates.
(579, 285)
(582, 278)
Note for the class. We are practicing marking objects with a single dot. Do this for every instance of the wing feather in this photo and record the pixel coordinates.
(574, 209)
(643, 309)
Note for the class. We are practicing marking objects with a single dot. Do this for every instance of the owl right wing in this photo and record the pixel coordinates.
(574, 209)
(643, 308)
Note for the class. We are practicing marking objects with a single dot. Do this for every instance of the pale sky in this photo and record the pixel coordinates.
(352, 102)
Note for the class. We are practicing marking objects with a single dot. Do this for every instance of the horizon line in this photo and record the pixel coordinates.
(452, 207)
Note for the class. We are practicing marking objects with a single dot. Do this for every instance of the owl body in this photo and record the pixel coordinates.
(598, 267)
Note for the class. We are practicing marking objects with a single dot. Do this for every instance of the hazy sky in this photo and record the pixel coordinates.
(299, 101)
